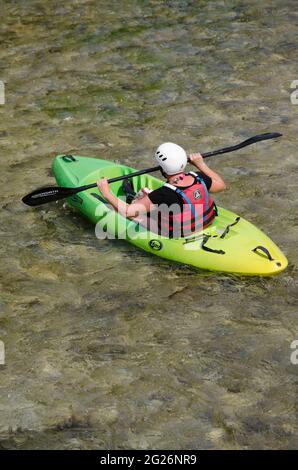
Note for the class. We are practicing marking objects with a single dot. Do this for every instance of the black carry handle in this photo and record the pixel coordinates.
(54, 193)
(264, 250)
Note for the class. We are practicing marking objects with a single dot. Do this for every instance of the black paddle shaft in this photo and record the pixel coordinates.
(54, 193)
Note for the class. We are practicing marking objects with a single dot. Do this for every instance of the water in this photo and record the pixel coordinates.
(106, 346)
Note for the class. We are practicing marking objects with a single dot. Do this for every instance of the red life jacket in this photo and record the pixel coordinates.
(197, 213)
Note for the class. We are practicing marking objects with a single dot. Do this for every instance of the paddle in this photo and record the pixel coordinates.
(54, 193)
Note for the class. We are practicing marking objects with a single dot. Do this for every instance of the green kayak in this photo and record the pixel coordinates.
(231, 244)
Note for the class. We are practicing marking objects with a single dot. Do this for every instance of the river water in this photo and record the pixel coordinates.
(106, 346)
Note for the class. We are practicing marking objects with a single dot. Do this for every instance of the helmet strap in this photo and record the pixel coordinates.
(163, 173)
(176, 178)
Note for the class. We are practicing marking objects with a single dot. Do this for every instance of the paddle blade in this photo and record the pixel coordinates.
(245, 143)
(260, 137)
(48, 194)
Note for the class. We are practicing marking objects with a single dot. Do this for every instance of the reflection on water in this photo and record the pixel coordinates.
(107, 347)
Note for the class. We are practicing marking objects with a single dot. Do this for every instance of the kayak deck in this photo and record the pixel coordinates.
(229, 244)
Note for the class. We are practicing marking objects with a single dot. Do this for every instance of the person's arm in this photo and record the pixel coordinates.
(218, 183)
(126, 210)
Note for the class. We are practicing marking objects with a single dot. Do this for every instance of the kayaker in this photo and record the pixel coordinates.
(183, 204)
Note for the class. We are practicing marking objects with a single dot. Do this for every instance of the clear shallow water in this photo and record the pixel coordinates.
(107, 347)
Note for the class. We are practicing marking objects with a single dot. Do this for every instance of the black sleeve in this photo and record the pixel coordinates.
(164, 195)
(207, 180)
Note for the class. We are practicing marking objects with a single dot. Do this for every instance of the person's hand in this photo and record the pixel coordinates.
(104, 187)
(196, 159)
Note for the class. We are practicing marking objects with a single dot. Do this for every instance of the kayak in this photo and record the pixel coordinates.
(230, 244)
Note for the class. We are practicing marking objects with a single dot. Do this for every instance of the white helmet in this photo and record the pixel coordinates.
(171, 157)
